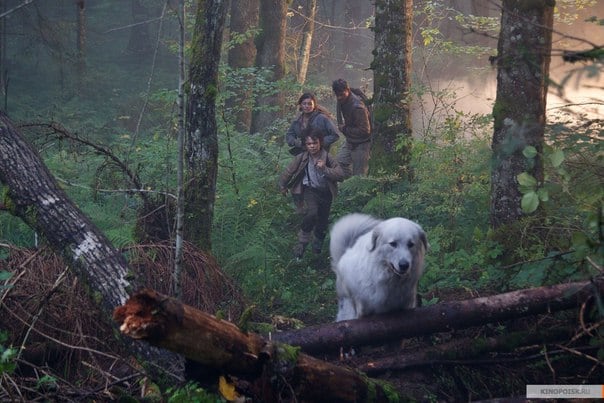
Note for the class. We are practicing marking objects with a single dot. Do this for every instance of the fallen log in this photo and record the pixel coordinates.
(463, 350)
(442, 317)
(167, 323)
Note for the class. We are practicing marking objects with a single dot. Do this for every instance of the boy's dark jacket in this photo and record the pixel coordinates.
(294, 173)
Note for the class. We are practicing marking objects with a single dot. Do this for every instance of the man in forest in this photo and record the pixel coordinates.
(353, 154)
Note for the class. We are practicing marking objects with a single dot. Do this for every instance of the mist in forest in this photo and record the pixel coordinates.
(471, 81)
(40, 58)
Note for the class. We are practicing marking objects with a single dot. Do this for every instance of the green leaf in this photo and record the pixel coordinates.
(529, 152)
(529, 202)
(526, 179)
(543, 194)
(557, 157)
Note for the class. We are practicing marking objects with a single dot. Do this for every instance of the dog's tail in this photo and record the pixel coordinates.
(346, 231)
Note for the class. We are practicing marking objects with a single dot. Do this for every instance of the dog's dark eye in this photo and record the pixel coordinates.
(394, 244)
(410, 244)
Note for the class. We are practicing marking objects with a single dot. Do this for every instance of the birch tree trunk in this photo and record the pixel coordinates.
(523, 59)
(201, 130)
(392, 80)
(180, 194)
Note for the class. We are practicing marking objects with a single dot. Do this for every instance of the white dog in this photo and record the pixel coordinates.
(378, 264)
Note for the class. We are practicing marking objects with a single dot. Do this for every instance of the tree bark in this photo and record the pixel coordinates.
(462, 350)
(442, 317)
(81, 39)
(523, 59)
(270, 45)
(140, 40)
(392, 81)
(167, 323)
(244, 17)
(34, 196)
(307, 36)
(201, 129)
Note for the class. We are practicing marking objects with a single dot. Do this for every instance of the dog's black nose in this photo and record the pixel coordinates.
(403, 265)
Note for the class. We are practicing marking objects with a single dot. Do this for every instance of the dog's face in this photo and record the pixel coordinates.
(400, 244)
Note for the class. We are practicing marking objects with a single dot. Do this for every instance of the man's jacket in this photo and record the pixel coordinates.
(357, 128)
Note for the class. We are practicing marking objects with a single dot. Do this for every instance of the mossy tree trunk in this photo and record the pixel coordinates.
(201, 130)
(244, 17)
(523, 59)
(392, 79)
(270, 45)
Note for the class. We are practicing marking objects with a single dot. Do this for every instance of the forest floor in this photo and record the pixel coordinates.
(71, 355)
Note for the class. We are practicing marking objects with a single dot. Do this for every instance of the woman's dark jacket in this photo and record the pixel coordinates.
(296, 170)
(317, 120)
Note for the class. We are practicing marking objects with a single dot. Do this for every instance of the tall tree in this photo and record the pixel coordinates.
(523, 59)
(270, 44)
(392, 79)
(201, 131)
(30, 192)
(140, 42)
(33, 195)
(81, 40)
(180, 198)
(307, 36)
(244, 19)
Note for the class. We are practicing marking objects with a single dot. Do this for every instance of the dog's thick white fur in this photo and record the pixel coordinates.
(378, 264)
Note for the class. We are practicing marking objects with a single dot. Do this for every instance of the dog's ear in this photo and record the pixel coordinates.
(375, 235)
(423, 238)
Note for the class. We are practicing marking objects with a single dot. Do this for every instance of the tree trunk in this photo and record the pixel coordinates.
(271, 56)
(201, 131)
(180, 165)
(392, 80)
(34, 196)
(140, 41)
(280, 369)
(244, 17)
(462, 350)
(523, 59)
(307, 35)
(81, 39)
(442, 317)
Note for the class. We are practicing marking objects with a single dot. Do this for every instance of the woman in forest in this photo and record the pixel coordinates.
(315, 116)
(312, 174)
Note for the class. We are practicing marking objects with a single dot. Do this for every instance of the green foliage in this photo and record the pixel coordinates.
(7, 354)
(191, 393)
(435, 41)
